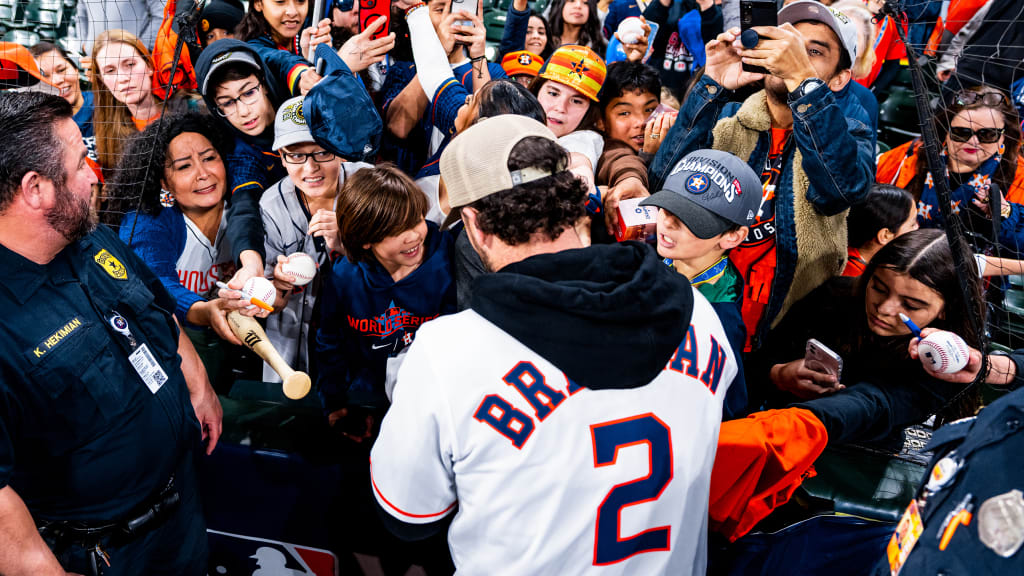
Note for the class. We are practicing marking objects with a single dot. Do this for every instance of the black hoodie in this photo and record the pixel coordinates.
(252, 165)
(608, 316)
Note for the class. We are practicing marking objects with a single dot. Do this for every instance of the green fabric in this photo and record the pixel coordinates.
(727, 289)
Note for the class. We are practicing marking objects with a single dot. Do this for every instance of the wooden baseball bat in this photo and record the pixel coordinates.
(296, 384)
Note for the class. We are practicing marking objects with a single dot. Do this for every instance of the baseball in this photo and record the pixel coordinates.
(943, 352)
(630, 30)
(300, 266)
(261, 289)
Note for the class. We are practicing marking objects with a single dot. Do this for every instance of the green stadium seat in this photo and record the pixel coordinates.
(23, 37)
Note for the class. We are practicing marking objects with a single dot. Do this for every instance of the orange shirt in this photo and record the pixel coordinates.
(755, 258)
(141, 124)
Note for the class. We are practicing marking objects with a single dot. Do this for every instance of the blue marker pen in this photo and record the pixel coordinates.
(910, 324)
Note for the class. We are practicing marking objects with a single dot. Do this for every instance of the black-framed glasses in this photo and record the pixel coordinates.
(985, 135)
(229, 106)
(300, 158)
(991, 99)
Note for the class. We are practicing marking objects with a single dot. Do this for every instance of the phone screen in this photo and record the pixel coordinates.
(370, 11)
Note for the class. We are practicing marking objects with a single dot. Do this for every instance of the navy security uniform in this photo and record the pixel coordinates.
(983, 470)
(82, 436)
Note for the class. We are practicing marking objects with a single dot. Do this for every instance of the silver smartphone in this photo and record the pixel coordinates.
(468, 6)
(821, 358)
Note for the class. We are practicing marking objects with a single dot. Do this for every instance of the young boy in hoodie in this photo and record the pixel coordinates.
(232, 82)
(396, 274)
(704, 210)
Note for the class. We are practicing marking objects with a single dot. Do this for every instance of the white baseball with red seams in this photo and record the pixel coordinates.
(300, 266)
(943, 352)
(261, 289)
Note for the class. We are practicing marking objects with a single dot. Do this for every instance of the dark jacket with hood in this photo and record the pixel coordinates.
(252, 165)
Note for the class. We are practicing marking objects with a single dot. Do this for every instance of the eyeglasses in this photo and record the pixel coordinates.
(992, 99)
(229, 106)
(985, 135)
(299, 158)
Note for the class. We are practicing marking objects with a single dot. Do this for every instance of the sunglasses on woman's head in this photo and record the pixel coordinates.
(985, 135)
(992, 99)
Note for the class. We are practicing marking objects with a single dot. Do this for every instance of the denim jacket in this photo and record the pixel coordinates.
(835, 171)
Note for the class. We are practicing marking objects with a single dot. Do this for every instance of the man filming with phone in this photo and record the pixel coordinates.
(814, 162)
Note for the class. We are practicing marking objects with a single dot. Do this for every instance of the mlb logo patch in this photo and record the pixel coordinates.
(237, 555)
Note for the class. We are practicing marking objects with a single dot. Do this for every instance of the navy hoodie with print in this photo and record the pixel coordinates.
(366, 318)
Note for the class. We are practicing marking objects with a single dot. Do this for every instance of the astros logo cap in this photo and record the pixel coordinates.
(577, 67)
(710, 191)
(521, 62)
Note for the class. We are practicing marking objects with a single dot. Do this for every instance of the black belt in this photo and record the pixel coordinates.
(61, 535)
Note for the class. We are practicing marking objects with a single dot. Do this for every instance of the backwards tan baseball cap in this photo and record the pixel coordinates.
(475, 163)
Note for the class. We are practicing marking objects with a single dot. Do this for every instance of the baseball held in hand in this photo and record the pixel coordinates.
(261, 289)
(943, 352)
(300, 266)
(630, 30)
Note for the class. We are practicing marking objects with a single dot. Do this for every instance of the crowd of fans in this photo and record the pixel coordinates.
(258, 154)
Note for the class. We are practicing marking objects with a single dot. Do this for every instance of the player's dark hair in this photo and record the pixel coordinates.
(505, 96)
(590, 34)
(30, 143)
(925, 256)
(624, 76)
(135, 183)
(376, 203)
(885, 207)
(546, 206)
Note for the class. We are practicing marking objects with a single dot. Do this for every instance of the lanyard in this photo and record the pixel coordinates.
(711, 274)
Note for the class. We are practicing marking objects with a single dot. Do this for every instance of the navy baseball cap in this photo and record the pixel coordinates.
(710, 191)
(340, 114)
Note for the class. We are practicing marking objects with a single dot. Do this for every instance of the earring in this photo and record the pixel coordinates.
(166, 198)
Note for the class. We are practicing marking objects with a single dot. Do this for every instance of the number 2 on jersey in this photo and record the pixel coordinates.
(608, 437)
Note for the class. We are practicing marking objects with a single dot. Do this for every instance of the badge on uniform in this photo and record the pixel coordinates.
(902, 542)
(1001, 523)
(943, 472)
(111, 265)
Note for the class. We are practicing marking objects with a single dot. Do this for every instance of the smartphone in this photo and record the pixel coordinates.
(468, 6)
(370, 11)
(757, 13)
(821, 358)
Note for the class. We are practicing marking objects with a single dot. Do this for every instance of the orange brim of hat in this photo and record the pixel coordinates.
(571, 68)
(521, 62)
(18, 68)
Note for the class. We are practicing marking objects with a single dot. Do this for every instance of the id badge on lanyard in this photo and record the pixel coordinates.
(142, 360)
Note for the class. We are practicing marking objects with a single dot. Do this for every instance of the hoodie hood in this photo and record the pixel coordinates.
(203, 66)
(608, 316)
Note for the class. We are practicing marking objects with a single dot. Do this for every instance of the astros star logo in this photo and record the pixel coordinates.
(579, 68)
(697, 183)
(525, 60)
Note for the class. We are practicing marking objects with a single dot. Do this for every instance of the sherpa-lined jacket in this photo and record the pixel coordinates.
(830, 168)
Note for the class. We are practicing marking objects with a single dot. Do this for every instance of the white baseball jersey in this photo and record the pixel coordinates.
(550, 477)
(202, 263)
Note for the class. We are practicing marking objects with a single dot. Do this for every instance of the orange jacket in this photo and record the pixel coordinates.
(899, 166)
(761, 461)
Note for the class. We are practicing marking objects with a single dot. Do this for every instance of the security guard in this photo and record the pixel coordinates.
(968, 518)
(100, 418)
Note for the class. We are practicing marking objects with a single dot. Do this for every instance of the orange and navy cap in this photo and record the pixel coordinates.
(522, 62)
(18, 69)
(578, 67)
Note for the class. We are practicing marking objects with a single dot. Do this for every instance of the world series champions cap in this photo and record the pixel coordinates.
(475, 163)
(710, 191)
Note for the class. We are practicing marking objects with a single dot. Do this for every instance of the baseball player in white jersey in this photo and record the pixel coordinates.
(569, 418)
(287, 215)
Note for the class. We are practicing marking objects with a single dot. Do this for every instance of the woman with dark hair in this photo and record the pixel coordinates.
(887, 213)
(61, 71)
(576, 22)
(525, 29)
(178, 168)
(914, 275)
(981, 137)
